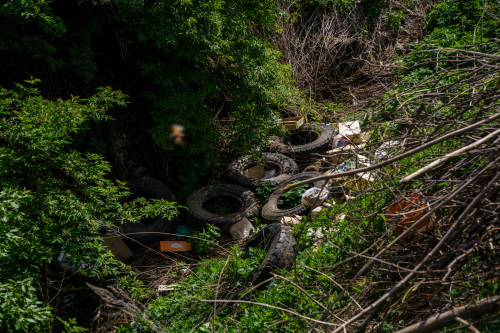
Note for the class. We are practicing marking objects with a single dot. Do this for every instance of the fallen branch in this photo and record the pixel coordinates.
(450, 317)
(270, 306)
(446, 157)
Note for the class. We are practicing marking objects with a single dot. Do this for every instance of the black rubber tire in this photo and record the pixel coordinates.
(271, 212)
(290, 112)
(318, 146)
(285, 165)
(311, 168)
(198, 217)
(158, 190)
(281, 252)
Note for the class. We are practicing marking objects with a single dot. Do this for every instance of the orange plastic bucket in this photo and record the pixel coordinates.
(406, 211)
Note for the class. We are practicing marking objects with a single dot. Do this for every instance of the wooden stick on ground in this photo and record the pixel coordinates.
(450, 317)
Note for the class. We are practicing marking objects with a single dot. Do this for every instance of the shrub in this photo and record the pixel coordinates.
(53, 198)
(186, 60)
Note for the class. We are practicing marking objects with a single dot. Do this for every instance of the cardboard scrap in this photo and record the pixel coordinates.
(293, 123)
(352, 130)
(174, 246)
(118, 247)
(255, 172)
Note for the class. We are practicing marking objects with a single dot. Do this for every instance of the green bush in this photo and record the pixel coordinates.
(53, 198)
(466, 16)
(186, 61)
(183, 311)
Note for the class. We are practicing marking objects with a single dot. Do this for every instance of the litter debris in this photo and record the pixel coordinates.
(311, 199)
(64, 264)
(293, 123)
(406, 211)
(163, 288)
(291, 219)
(317, 234)
(352, 130)
(260, 172)
(118, 247)
(178, 134)
(340, 141)
(255, 172)
(241, 229)
(340, 217)
(317, 211)
(174, 246)
(355, 182)
(181, 230)
(381, 151)
(339, 155)
(270, 174)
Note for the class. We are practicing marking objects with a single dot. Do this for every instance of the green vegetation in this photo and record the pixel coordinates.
(292, 198)
(288, 199)
(205, 240)
(209, 66)
(265, 190)
(54, 199)
(186, 61)
(181, 311)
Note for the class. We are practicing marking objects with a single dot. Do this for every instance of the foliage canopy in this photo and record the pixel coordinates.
(187, 62)
(53, 198)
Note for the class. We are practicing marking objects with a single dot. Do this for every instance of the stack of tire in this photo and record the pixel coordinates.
(243, 187)
(279, 238)
(281, 252)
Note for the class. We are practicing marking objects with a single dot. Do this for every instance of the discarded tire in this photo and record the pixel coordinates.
(198, 217)
(144, 232)
(319, 144)
(271, 212)
(311, 167)
(289, 112)
(281, 252)
(284, 166)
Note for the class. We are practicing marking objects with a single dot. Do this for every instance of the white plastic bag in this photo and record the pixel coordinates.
(241, 229)
(309, 197)
(390, 146)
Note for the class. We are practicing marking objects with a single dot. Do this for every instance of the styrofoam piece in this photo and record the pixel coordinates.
(163, 288)
(349, 128)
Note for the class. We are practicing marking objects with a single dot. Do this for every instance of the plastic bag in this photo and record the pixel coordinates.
(241, 229)
(309, 197)
(181, 231)
(270, 174)
(340, 141)
(390, 146)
